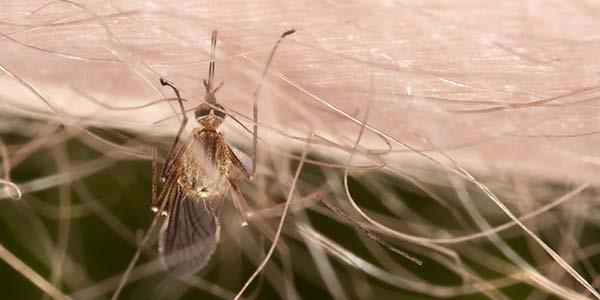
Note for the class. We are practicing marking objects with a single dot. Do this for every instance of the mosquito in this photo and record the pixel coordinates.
(197, 175)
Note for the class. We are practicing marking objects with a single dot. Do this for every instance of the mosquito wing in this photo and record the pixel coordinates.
(190, 234)
(235, 161)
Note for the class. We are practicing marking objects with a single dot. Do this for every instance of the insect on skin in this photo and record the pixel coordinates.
(197, 175)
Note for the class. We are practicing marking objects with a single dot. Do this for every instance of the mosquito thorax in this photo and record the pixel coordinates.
(210, 116)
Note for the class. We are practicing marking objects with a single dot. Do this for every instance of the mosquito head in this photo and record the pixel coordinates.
(210, 117)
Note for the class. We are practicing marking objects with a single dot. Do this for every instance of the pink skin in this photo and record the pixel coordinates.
(427, 59)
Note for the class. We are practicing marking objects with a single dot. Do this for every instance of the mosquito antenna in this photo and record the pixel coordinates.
(208, 83)
(255, 98)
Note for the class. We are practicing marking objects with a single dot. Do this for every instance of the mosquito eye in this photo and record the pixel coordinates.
(220, 111)
(202, 112)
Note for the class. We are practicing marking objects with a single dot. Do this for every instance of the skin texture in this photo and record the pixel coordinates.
(507, 90)
(497, 86)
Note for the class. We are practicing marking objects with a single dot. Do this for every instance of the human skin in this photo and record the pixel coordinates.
(508, 85)
(494, 88)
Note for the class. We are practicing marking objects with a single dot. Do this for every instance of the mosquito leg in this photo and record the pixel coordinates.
(181, 127)
(368, 232)
(276, 210)
(154, 205)
(239, 202)
(255, 101)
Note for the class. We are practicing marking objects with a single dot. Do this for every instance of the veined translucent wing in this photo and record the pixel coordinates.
(191, 232)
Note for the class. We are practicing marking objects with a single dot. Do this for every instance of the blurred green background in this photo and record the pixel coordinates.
(109, 212)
